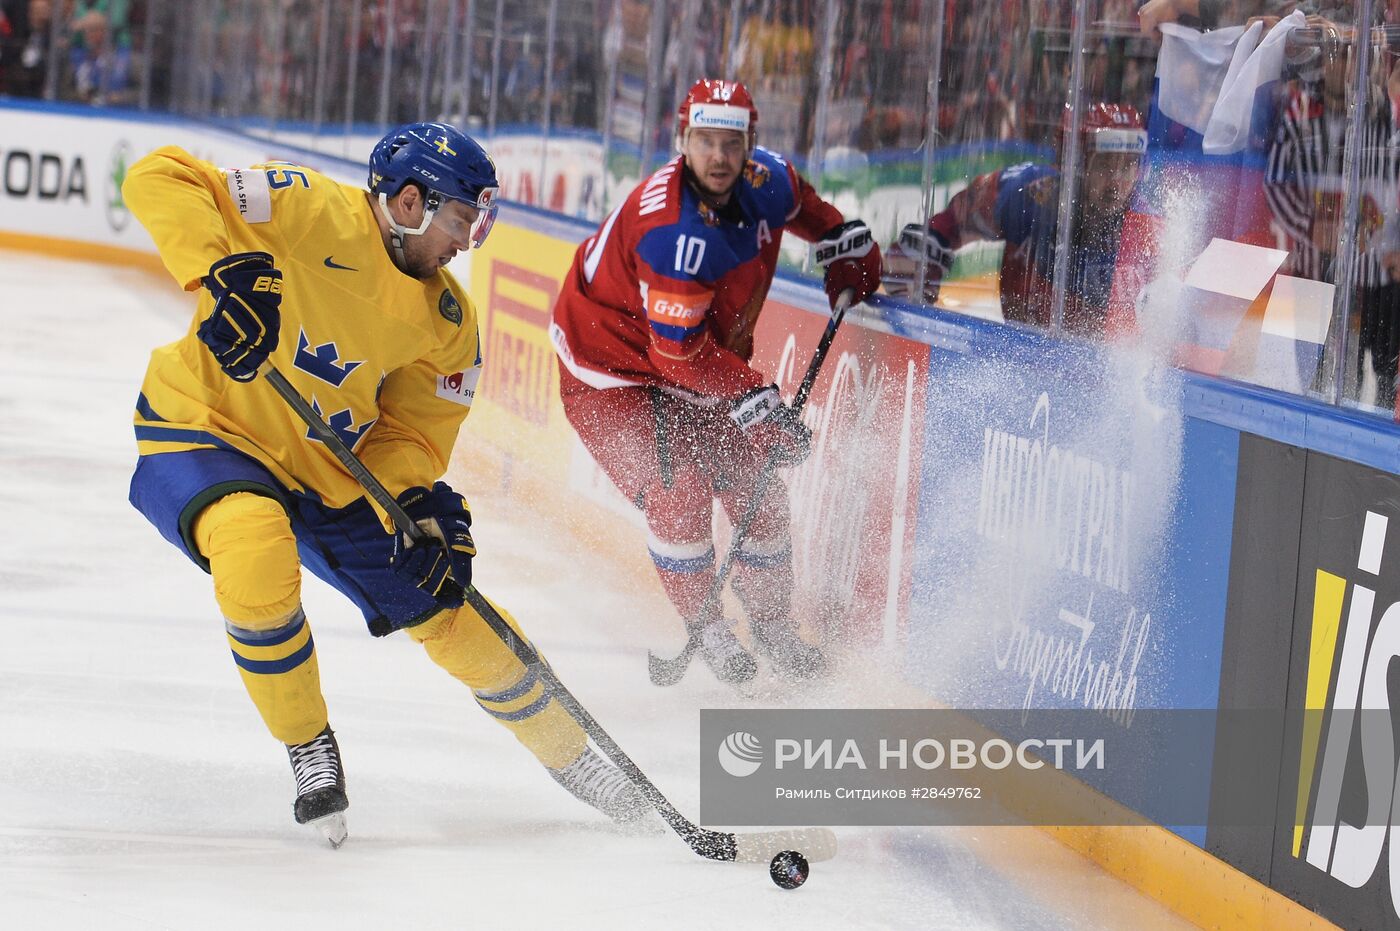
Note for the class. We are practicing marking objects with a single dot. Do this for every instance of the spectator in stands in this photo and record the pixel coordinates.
(10, 44)
(26, 51)
(478, 81)
(101, 70)
(523, 85)
(117, 12)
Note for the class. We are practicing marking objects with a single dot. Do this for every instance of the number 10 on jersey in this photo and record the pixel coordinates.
(690, 252)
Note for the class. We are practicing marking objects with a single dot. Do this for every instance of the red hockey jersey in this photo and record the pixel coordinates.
(668, 291)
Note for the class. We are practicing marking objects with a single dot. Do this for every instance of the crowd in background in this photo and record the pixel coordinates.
(1003, 74)
(83, 46)
(617, 67)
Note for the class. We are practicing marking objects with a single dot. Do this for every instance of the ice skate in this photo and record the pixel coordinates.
(594, 781)
(321, 799)
(724, 654)
(790, 655)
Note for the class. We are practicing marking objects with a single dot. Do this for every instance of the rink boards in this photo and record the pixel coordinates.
(1027, 522)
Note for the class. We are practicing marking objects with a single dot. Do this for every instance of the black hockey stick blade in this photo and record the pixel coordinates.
(667, 672)
(816, 844)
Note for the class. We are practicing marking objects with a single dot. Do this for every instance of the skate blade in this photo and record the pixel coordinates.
(332, 828)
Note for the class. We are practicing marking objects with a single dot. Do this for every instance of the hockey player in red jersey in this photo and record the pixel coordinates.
(654, 331)
(1020, 206)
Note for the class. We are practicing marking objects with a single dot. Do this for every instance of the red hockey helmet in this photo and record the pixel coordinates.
(712, 103)
(1115, 128)
(1113, 141)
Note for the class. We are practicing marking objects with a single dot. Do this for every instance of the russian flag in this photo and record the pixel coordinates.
(1212, 120)
(1215, 105)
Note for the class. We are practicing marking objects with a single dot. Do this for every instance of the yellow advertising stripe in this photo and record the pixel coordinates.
(83, 251)
(518, 419)
(1327, 615)
(1191, 882)
(526, 294)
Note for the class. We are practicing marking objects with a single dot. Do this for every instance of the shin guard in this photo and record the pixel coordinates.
(279, 671)
(686, 571)
(252, 555)
(462, 643)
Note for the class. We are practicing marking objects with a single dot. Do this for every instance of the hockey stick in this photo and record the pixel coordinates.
(666, 672)
(754, 847)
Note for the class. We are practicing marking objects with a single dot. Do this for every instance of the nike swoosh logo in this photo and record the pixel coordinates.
(331, 264)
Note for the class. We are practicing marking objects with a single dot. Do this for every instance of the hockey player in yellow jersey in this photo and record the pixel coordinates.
(346, 292)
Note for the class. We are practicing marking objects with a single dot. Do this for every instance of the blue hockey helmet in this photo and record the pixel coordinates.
(449, 164)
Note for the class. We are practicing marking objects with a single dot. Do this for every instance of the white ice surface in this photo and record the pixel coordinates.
(138, 788)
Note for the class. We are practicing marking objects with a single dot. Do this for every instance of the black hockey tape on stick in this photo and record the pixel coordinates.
(755, 847)
(667, 672)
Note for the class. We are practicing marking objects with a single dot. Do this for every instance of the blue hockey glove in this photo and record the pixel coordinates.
(243, 329)
(442, 564)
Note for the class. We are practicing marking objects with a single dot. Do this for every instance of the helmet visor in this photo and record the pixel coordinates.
(481, 226)
(485, 215)
(472, 224)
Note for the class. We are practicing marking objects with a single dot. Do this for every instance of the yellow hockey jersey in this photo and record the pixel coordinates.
(391, 362)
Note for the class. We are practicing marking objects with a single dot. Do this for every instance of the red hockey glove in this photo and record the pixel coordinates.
(851, 259)
(902, 262)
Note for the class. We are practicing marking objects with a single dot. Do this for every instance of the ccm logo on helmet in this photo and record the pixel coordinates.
(855, 245)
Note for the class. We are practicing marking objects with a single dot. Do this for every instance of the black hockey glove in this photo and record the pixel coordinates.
(441, 565)
(772, 427)
(243, 329)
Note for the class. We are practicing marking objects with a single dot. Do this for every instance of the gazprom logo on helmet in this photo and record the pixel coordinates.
(1124, 141)
(719, 116)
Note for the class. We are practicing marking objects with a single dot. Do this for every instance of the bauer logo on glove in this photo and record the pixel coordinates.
(903, 257)
(853, 240)
(851, 259)
(755, 406)
(243, 329)
(916, 237)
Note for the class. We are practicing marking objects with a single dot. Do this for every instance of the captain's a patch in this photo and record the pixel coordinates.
(449, 308)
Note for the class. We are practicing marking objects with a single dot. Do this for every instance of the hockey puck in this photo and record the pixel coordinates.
(789, 869)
